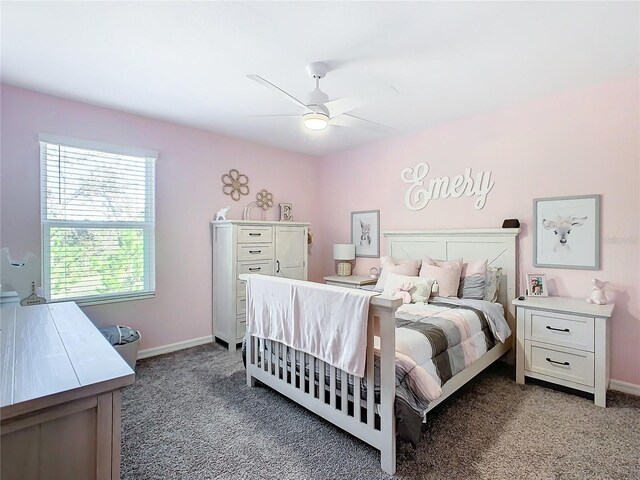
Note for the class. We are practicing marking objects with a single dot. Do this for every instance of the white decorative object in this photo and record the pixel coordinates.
(374, 272)
(564, 341)
(222, 213)
(286, 214)
(345, 253)
(421, 192)
(18, 275)
(597, 294)
(268, 248)
(235, 184)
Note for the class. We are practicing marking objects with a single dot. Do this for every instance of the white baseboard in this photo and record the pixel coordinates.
(624, 387)
(173, 347)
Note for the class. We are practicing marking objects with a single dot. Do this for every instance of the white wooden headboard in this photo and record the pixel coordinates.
(498, 245)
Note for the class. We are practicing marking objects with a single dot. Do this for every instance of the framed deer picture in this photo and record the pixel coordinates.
(365, 233)
(566, 232)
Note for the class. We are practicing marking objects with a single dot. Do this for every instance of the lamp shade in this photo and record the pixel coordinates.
(344, 251)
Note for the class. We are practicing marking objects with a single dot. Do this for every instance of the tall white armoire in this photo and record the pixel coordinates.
(251, 246)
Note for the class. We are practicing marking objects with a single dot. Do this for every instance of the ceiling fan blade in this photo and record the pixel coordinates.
(346, 104)
(266, 83)
(346, 120)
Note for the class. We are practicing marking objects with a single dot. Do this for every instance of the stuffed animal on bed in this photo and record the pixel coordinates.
(404, 292)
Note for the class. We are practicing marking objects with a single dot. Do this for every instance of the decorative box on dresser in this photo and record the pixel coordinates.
(251, 246)
(564, 341)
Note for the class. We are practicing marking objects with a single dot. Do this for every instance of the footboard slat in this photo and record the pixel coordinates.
(370, 377)
(357, 410)
(344, 392)
(332, 386)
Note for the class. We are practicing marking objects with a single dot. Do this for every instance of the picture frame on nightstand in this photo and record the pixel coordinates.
(537, 285)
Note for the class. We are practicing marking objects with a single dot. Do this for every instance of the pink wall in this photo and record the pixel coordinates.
(188, 193)
(580, 142)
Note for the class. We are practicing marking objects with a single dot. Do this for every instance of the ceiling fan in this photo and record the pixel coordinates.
(320, 112)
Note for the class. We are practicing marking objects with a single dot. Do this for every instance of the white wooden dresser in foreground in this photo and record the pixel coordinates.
(60, 395)
(564, 341)
(251, 246)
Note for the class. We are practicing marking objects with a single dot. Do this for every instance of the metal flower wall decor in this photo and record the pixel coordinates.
(264, 201)
(235, 184)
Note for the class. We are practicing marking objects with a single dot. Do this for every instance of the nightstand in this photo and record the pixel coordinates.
(351, 281)
(564, 341)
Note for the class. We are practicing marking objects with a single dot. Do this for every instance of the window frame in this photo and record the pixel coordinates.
(148, 225)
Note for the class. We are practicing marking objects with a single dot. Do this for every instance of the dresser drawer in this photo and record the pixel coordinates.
(241, 306)
(255, 234)
(573, 331)
(559, 362)
(241, 327)
(241, 289)
(262, 251)
(260, 267)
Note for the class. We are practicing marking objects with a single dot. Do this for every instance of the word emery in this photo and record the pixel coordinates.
(420, 193)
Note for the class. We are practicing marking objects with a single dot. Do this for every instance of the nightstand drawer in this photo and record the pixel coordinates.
(573, 331)
(260, 267)
(559, 362)
(255, 234)
(255, 252)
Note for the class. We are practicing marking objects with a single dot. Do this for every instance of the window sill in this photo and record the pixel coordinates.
(99, 301)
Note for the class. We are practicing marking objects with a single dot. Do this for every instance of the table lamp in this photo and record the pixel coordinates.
(344, 253)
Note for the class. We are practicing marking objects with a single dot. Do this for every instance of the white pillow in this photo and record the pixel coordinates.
(492, 285)
(420, 291)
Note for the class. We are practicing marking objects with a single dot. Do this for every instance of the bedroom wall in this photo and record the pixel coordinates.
(188, 193)
(577, 142)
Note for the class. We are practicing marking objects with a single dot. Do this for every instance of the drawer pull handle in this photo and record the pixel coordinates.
(255, 234)
(243, 299)
(558, 329)
(255, 251)
(255, 269)
(566, 364)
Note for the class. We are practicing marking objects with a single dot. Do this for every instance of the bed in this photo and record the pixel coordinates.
(373, 414)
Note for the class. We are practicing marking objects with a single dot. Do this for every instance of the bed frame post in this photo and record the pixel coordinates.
(383, 314)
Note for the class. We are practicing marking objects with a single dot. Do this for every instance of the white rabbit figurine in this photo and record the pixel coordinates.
(597, 294)
(222, 213)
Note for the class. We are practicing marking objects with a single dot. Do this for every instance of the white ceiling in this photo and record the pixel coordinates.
(186, 61)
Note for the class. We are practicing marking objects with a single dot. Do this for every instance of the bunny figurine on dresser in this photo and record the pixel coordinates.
(597, 294)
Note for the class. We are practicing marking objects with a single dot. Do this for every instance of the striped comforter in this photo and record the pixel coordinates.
(434, 342)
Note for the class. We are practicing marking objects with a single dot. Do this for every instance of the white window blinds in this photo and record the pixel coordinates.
(98, 221)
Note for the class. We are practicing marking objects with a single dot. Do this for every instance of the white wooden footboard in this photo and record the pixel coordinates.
(371, 420)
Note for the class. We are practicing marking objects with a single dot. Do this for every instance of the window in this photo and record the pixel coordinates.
(98, 221)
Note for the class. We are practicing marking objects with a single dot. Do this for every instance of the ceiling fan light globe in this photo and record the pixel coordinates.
(315, 121)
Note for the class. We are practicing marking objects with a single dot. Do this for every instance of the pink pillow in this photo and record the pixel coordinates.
(474, 268)
(447, 274)
(400, 267)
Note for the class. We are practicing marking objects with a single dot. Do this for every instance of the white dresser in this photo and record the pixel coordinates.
(564, 341)
(239, 246)
(60, 395)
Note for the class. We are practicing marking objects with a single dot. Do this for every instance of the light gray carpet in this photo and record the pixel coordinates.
(190, 415)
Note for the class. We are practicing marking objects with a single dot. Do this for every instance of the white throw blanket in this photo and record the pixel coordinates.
(327, 322)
